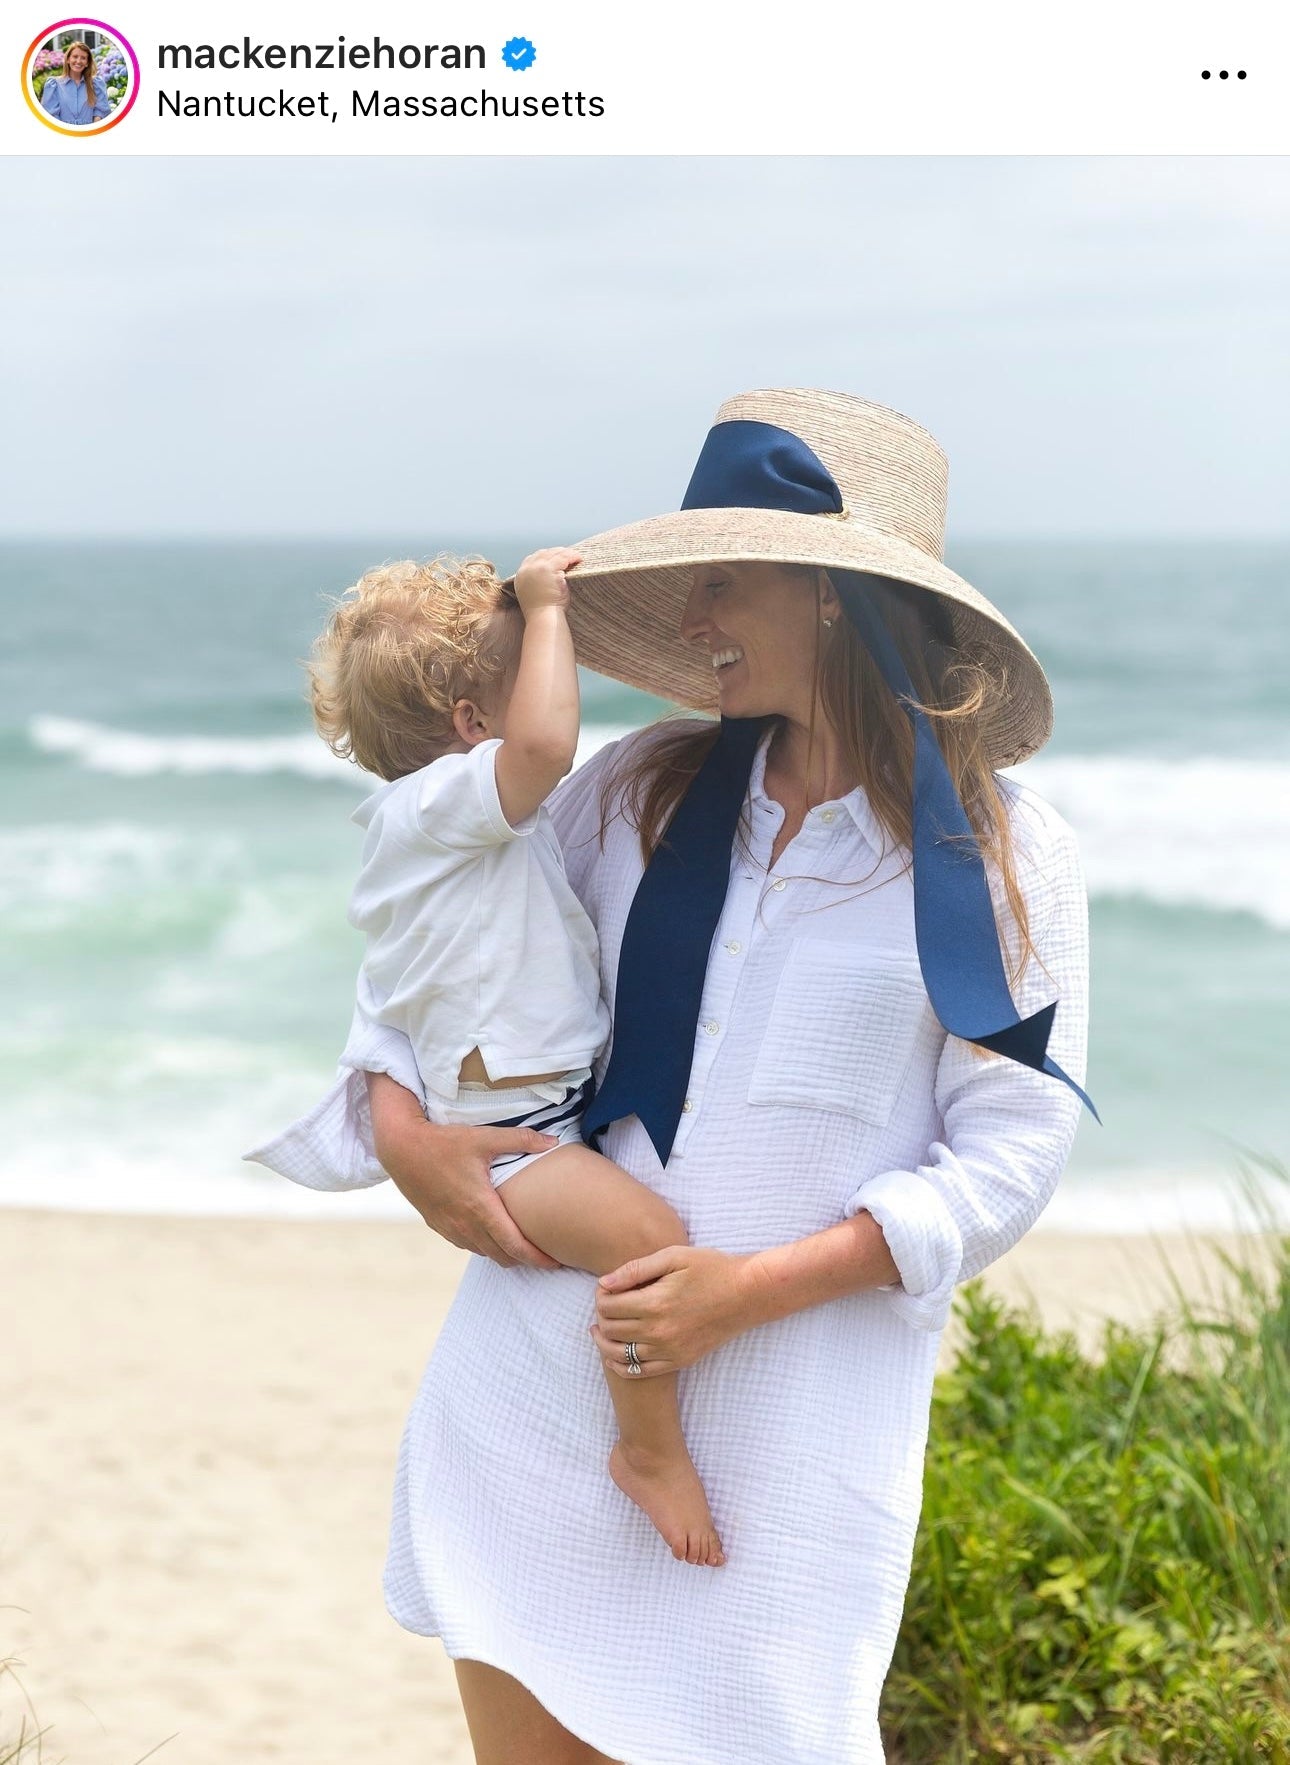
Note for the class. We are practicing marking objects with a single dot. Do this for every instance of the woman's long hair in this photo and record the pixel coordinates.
(90, 70)
(958, 694)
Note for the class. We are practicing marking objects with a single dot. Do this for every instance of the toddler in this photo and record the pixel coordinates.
(466, 700)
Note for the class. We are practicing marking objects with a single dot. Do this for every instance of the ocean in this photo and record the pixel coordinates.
(176, 855)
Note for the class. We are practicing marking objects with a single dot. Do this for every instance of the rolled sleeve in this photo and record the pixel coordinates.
(332, 1146)
(923, 1239)
(1008, 1130)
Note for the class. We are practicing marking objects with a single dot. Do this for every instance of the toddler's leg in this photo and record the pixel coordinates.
(591, 1215)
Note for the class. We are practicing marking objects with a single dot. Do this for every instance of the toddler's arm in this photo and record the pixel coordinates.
(541, 732)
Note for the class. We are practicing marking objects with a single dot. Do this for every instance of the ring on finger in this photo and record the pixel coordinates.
(633, 1359)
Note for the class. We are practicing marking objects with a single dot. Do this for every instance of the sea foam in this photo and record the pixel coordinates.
(50, 872)
(1209, 833)
(131, 754)
(1212, 833)
(198, 1176)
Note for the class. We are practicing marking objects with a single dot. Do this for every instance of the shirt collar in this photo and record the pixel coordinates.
(856, 803)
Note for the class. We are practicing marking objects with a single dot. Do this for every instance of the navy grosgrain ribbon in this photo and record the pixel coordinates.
(669, 930)
(746, 465)
(954, 924)
(663, 962)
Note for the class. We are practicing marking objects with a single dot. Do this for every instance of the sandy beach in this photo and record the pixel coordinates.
(200, 1420)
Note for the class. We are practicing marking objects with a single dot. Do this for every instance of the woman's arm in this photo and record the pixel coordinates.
(444, 1172)
(842, 1259)
(1007, 1130)
(50, 96)
(102, 108)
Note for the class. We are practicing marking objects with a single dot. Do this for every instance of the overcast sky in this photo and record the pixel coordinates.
(536, 347)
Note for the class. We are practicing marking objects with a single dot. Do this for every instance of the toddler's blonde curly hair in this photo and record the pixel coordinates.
(402, 647)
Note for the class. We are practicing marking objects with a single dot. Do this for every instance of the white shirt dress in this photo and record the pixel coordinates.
(822, 1085)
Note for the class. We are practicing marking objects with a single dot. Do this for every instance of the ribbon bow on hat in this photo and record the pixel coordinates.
(747, 465)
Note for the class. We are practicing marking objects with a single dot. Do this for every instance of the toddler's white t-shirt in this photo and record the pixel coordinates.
(474, 937)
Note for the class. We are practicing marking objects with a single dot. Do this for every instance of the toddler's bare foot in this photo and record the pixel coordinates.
(669, 1491)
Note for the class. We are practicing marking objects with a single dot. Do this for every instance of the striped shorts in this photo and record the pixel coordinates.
(555, 1108)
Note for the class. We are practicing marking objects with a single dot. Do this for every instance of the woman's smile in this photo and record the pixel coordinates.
(758, 624)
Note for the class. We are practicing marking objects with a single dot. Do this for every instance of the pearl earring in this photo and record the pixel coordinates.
(828, 624)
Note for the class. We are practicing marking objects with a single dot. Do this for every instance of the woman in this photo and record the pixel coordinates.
(78, 95)
(839, 1159)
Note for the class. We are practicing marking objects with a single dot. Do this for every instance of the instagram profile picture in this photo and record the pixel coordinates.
(80, 76)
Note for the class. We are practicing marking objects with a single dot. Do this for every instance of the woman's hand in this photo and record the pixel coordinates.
(443, 1171)
(679, 1304)
(676, 1306)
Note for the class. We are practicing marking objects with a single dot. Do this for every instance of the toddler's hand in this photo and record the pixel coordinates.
(539, 581)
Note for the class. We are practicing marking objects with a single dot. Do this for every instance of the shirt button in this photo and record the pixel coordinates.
(687, 1108)
(711, 1027)
(828, 815)
(781, 884)
(734, 946)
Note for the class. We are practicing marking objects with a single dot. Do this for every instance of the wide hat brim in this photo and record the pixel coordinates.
(629, 591)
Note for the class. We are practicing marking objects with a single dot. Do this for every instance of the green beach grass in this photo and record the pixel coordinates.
(1102, 1571)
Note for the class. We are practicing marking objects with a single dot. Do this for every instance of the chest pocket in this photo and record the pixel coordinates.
(841, 1031)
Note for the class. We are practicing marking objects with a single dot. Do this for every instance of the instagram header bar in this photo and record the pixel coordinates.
(536, 77)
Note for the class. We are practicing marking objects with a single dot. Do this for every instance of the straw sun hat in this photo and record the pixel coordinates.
(628, 592)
